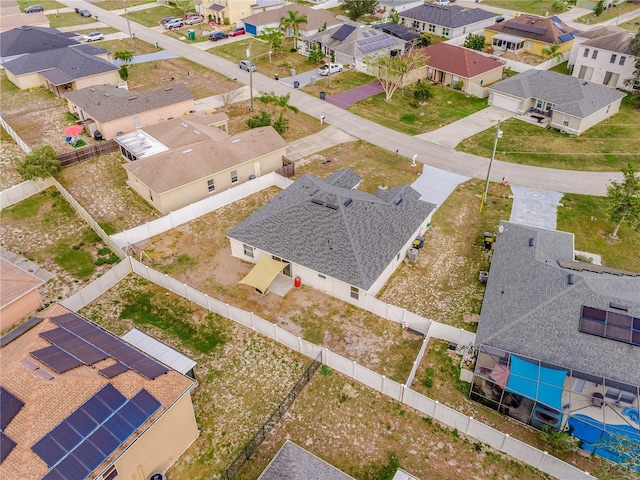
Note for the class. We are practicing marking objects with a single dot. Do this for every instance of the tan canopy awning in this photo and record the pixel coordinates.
(261, 276)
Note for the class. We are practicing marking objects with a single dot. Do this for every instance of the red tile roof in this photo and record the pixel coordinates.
(458, 60)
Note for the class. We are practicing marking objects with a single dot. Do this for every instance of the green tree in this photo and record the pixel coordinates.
(391, 72)
(394, 16)
(357, 8)
(558, 6)
(475, 41)
(315, 54)
(557, 441)
(281, 101)
(126, 57)
(184, 6)
(292, 24)
(273, 36)
(42, 162)
(634, 80)
(263, 119)
(425, 39)
(599, 8)
(551, 51)
(123, 71)
(422, 92)
(623, 200)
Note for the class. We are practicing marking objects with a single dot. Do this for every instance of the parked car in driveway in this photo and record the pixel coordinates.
(443, 3)
(167, 19)
(193, 20)
(215, 36)
(175, 23)
(246, 64)
(330, 69)
(34, 8)
(94, 36)
(237, 31)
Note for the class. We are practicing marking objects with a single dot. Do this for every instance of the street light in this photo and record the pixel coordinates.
(493, 154)
(251, 67)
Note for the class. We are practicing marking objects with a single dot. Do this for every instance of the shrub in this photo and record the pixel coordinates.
(458, 85)
(263, 119)
(281, 125)
(409, 118)
(422, 92)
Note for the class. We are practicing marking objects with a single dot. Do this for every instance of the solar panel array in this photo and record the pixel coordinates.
(343, 32)
(377, 42)
(79, 342)
(526, 28)
(565, 37)
(10, 405)
(612, 325)
(82, 441)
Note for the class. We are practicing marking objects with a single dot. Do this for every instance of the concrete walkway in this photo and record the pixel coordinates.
(325, 138)
(593, 183)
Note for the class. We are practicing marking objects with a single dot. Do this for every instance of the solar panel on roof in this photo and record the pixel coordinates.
(72, 467)
(6, 445)
(66, 436)
(56, 358)
(526, 28)
(146, 402)
(82, 422)
(104, 441)
(74, 345)
(96, 409)
(10, 405)
(565, 37)
(113, 370)
(608, 324)
(111, 397)
(343, 32)
(559, 27)
(118, 427)
(89, 455)
(48, 450)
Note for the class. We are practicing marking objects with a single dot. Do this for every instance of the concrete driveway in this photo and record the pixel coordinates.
(537, 208)
(451, 135)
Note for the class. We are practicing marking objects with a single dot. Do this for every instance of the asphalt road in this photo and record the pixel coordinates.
(592, 183)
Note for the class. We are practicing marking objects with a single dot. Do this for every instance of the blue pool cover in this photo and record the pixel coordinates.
(539, 383)
(596, 436)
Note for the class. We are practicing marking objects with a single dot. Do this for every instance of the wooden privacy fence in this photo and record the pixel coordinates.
(288, 169)
(85, 153)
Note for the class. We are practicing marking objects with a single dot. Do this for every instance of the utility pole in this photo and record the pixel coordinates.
(493, 154)
(126, 15)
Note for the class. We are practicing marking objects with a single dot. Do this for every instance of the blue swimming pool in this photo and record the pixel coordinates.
(595, 436)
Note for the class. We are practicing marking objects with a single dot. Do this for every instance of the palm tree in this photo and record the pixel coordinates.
(279, 101)
(292, 24)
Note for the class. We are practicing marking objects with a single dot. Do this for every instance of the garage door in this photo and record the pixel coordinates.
(508, 103)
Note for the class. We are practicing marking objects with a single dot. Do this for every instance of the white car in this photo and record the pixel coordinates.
(442, 3)
(93, 37)
(330, 69)
(175, 23)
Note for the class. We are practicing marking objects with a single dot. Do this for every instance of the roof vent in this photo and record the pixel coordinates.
(571, 279)
(314, 192)
(348, 202)
(132, 98)
(188, 150)
(619, 306)
(398, 201)
(317, 201)
(196, 132)
(532, 242)
(236, 140)
(168, 89)
(183, 125)
(332, 206)
(92, 89)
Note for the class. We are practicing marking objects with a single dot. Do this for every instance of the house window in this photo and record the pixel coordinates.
(455, 79)
(445, 32)
(355, 293)
(234, 176)
(595, 54)
(611, 79)
(586, 53)
(565, 122)
(136, 122)
(432, 28)
(211, 186)
(527, 45)
(613, 58)
(464, 30)
(416, 25)
(622, 60)
(248, 251)
(110, 473)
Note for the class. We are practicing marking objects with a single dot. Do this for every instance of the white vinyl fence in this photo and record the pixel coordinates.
(195, 210)
(23, 190)
(523, 67)
(25, 148)
(427, 406)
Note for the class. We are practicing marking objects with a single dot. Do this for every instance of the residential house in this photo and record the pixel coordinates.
(316, 19)
(569, 104)
(603, 55)
(398, 30)
(449, 21)
(557, 339)
(13, 17)
(296, 463)
(591, 4)
(112, 111)
(351, 43)
(18, 294)
(452, 65)
(34, 56)
(184, 160)
(227, 11)
(79, 402)
(531, 34)
(334, 238)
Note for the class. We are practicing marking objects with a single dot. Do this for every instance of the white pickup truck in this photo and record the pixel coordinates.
(330, 69)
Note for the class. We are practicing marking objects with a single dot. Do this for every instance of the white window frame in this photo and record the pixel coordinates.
(355, 293)
(234, 176)
(248, 250)
(211, 185)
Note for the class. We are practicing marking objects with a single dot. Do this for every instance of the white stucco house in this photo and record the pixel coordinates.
(336, 239)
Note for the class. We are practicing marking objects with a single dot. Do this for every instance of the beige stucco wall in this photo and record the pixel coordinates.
(530, 46)
(161, 445)
(578, 126)
(30, 80)
(14, 312)
(235, 9)
(487, 78)
(111, 78)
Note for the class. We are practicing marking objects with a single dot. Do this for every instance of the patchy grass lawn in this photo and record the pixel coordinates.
(538, 7)
(150, 17)
(10, 152)
(242, 375)
(561, 68)
(117, 4)
(202, 34)
(45, 228)
(593, 236)
(608, 13)
(104, 30)
(609, 146)
(69, 19)
(443, 283)
(141, 47)
(406, 115)
(200, 80)
(108, 198)
(340, 82)
(633, 24)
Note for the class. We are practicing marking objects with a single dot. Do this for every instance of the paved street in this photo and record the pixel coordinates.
(407, 146)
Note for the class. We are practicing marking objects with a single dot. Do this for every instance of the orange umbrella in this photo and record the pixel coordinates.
(73, 130)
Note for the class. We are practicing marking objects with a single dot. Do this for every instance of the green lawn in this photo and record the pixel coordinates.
(118, 4)
(182, 34)
(47, 4)
(608, 14)
(141, 47)
(538, 7)
(561, 68)
(633, 24)
(406, 115)
(151, 17)
(339, 83)
(69, 19)
(609, 146)
(593, 236)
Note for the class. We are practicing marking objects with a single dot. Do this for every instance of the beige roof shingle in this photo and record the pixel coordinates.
(316, 18)
(15, 282)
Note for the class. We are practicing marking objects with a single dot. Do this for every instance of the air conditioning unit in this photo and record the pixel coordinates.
(412, 254)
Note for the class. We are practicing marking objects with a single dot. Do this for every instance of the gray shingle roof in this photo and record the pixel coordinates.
(570, 95)
(70, 61)
(451, 16)
(615, 42)
(295, 463)
(107, 102)
(352, 242)
(29, 39)
(350, 44)
(529, 307)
